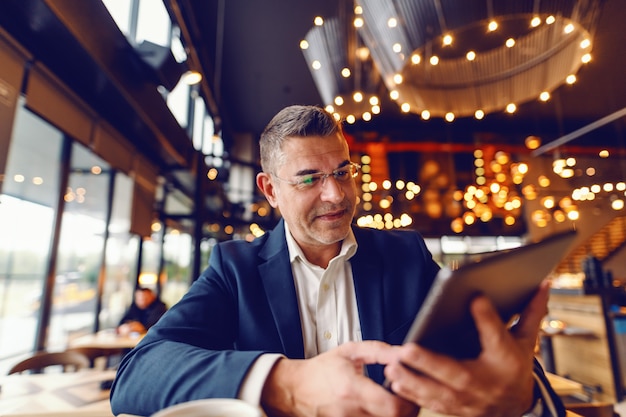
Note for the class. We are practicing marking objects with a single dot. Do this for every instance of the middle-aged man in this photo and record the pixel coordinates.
(309, 319)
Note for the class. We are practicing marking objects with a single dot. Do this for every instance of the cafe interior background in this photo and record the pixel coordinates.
(129, 134)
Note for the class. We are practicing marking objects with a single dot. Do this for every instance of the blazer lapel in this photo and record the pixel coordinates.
(367, 273)
(368, 278)
(281, 292)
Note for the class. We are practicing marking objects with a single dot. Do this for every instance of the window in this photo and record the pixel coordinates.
(120, 11)
(27, 202)
(153, 23)
(197, 135)
(178, 103)
(81, 244)
(27, 217)
(177, 253)
(121, 256)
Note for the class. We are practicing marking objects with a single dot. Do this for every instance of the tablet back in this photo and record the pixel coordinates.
(509, 278)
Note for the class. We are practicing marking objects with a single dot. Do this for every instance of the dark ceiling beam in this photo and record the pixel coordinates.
(190, 38)
(81, 45)
(88, 21)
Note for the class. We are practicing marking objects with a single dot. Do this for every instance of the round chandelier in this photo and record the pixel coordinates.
(473, 57)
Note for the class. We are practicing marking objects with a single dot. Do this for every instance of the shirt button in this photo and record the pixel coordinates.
(325, 287)
(327, 335)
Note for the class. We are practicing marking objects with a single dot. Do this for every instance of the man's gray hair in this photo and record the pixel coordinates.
(293, 121)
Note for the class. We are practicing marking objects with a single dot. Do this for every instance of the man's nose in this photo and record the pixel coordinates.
(331, 189)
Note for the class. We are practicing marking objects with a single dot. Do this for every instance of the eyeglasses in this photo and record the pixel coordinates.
(308, 181)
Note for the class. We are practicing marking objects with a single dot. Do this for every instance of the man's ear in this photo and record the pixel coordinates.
(265, 184)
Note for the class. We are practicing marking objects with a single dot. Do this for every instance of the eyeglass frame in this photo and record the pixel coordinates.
(301, 185)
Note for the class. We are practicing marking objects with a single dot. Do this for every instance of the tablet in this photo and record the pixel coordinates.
(509, 278)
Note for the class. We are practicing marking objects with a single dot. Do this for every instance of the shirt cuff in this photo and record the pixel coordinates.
(252, 385)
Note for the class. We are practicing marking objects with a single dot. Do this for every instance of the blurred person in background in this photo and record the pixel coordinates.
(143, 313)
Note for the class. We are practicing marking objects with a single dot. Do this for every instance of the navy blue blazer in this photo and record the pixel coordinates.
(244, 305)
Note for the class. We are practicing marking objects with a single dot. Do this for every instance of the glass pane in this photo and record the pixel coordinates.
(150, 261)
(454, 244)
(176, 202)
(81, 245)
(508, 242)
(198, 123)
(434, 246)
(26, 219)
(178, 49)
(120, 11)
(153, 23)
(218, 146)
(481, 244)
(208, 133)
(241, 184)
(177, 252)
(121, 256)
(178, 103)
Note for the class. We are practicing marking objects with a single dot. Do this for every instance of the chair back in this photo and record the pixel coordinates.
(100, 357)
(69, 361)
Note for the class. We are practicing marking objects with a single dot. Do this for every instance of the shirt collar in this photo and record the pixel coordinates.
(348, 246)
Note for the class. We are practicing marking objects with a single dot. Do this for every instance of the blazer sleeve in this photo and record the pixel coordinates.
(155, 312)
(189, 354)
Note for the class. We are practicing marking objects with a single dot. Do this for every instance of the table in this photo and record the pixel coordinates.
(106, 339)
(428, 413)
(77, 394)
(565, 387)
(56, 394)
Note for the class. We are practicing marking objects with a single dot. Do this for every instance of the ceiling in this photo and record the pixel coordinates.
(251, 52)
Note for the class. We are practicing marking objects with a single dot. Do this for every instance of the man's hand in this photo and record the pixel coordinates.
(130, 327)
(333, 384)
(499, 383)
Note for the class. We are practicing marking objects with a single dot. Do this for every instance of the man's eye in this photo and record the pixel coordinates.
(308, 179)
(342, 175)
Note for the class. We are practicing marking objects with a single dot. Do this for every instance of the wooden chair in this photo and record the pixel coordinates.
(99, 357)
(68, 361)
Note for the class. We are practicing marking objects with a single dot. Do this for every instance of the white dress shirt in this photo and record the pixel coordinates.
(328, 310)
